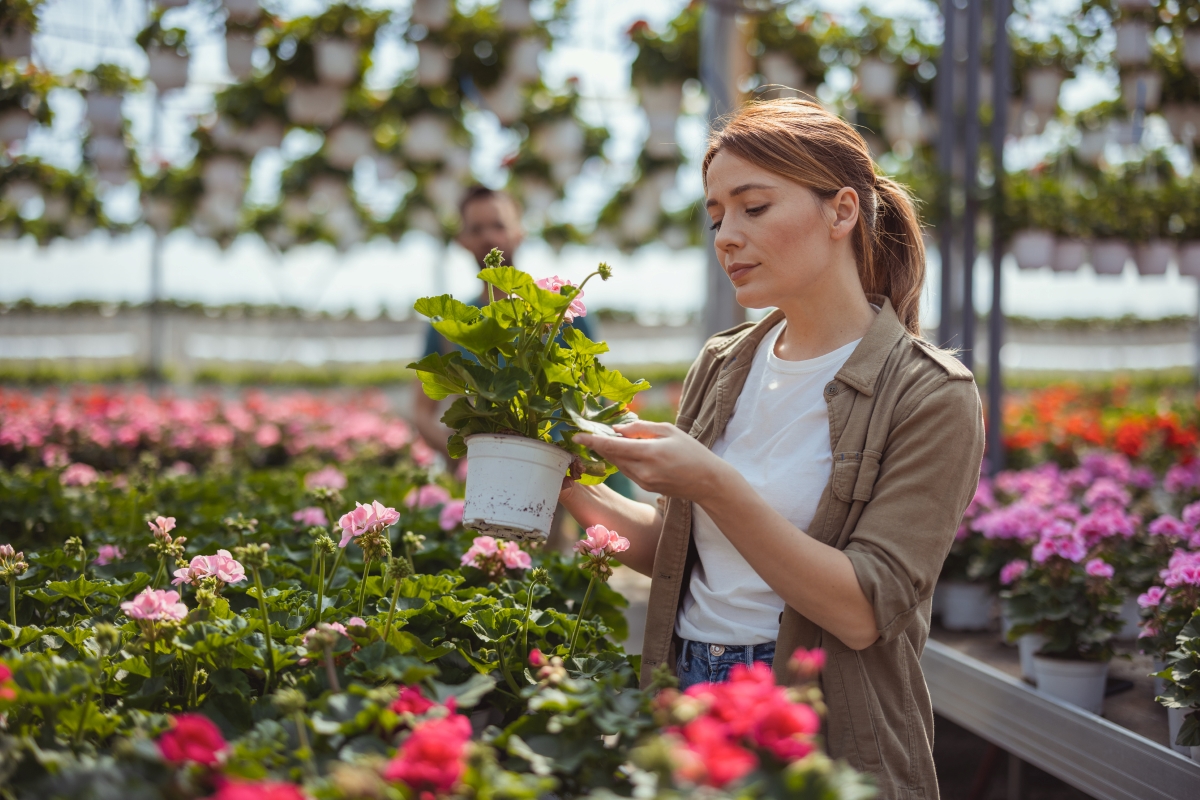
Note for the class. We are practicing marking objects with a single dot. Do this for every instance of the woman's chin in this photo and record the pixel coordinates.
(748, 296)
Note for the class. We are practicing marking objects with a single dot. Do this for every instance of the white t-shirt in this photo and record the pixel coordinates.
(778, 439)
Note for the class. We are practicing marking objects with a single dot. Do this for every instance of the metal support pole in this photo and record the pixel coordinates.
(970, 177)
(995, 387)
(945, 106)
(157, 345)
(717, 32)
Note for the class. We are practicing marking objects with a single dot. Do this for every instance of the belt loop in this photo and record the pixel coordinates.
(685, 650)
(749, 655)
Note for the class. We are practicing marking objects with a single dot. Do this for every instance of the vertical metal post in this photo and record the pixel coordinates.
(157, 345)
(995, 387)
(717, 32)
(970, 177)
(945, 106)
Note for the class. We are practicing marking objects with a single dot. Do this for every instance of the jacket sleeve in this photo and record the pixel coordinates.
(928, 473)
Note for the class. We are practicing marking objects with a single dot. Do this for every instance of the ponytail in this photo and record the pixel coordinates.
(803, 142)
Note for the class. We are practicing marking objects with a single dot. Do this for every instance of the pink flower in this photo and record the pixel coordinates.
(1013, 570)
(268, 436)
(1191, 515)
(807, 664)
(432, 758)
(222, 566)
(422, 453)
(161, 527)
(716, 761)
(787, 730)
(601, 541)
(411, 701)
(452, 515)
(1151, 597)
(536, 659)
(1168, 526)
(78, 475)
(1098, 568)
(1062, 540)
(261, 790)
(309, 516)
(554, 284)
(55, 457)
(426, 496)
(1107, 521)
(156, 605)
(493, 557)
(514, 557)
(364, 518)
(192, 738)
(328, 477)
(1105, 492)
(107, 554)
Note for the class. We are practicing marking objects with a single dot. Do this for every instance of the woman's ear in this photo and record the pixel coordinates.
(844, 206)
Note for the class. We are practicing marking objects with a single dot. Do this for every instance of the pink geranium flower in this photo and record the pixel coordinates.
(155, 605)
(1151, 597)
(107, 554)
(600, 541)
(222, 566)
(1098, 568)
(411, 701)
(1013, 570)
(426, 496)
(376, 516)
(259, 790)
(452, 515)
(309, 516)
(161, 527)
(192, 738)
(1062, 540)
(328, 477)
(78, 475)
(433, 758)
(493, 557)
(554, 284)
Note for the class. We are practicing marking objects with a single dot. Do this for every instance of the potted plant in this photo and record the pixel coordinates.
(239, 48)
(522, 395)
(1109, 224)
(23, 101)
(1150, 213)
(1071, 243)
(663, 62)
(18, 21)
(1069, 597)
(1186, 194)
(105, 86)
(1181, 681)
(349, 141)
(432, 15)
(1032, 209)
(1166, 608)
(166, 49)
(253, 115)
(791, 54)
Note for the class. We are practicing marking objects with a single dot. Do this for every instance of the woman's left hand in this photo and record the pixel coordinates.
(659, 457)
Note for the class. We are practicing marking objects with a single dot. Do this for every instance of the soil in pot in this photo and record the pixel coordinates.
(966, 606)
(1080, 683)
(512, 486)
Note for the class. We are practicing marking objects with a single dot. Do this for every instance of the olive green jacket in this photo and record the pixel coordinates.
(906, 433)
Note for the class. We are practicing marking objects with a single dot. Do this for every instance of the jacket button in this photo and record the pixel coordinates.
(831, 389)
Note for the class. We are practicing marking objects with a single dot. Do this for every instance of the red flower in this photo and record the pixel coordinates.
(807, 664)
(263, 790)
(431, 759)
(192, 737)
(536, 659)
(718, 760)
(786, 729)
(738, 702)
(411, 701)
(639, 26)
(7, 692)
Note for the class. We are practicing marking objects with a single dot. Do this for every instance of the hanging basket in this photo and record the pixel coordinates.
(224, 176)
(514, 14)
(1133, 43)
(158, 213)
(433, 15)
(16, 42)
(1152, 257)
(242, 11)
(295, 210)
(780, 69)
(336, 61)
(168, 68)
(1189, 259)
(1033, 248)
(433, 65)
(504, 99)
(107, 153)
(1109, 256)
(1069, 254)
(316, 104)
(347, 143)
(20, 192)
(523, 59)
(876, 79)
(427, 137)
(561, 139)
(14, 124)
(662, 103)
(104, 113)
(239, 53)
(1142, 88)
(57, 209)
(1042, 86)
(267, 131)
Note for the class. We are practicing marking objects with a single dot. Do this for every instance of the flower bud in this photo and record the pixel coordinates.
(289, 701)
(604, 270)
(73, 548)
(108, 638)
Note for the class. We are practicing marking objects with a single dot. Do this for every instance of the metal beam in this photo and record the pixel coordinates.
(945, 106)
(971, 177)
(995, 387)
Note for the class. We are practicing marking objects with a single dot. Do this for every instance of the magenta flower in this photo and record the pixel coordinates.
(161, 527)
(155, 605)
(1106, 493)
(1013, 570)
(1062, 540)
(1168, 526)
(426, 496)
(554, 284)
(1151, 597)
(1107, 521)
(107, 554)
(601, 541)
(1098, 568)
(311, 515)
(376, 516)
(1191, 515)
(328, 477)
(514, 557)
(78, 475)
(452, 515)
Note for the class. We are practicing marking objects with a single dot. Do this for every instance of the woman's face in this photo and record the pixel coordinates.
(775, 238)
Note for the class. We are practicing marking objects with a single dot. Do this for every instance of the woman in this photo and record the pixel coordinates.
(822, 457)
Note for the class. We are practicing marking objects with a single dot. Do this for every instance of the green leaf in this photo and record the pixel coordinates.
(477, 337)
(445, 307)
(439, 375)
(582, 344)
(616, 387)
(230, 681)
(509, 280)
(466, 695)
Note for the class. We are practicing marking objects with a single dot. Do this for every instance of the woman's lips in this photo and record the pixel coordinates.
(740, 270)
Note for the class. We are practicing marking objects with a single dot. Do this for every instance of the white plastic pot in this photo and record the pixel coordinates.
(104, 113)
(512, 486)
(1174, 723)
(876, 79)
(107, 153)
(168, 69)
(16, 43)
(224, 176)
(1042, 86)
(1142, 89)
(433, 66)
(1130, 617)
(1033, 248)
(1133, 43)
(432, 14)
(295, 210)
(327, 192)
(158, 212)
(514, 14)
(1027, 647)
(15, 124)
(427, 137)
(966, 606)
(217, 214)
(1080, 683)
(267, 131)
(1109, 256)
(1092, 144)
(316, 104)
(336, 61)
(1191, 49)
(1069, 254)
(242, 10)
(662, 103)
(57, 209)
(780, 69)
(1189, 259)
(504, 99)
(1152, 258)
(114, 176)
(560, 139)
(523, 59)
(347, 143)
(239, 53)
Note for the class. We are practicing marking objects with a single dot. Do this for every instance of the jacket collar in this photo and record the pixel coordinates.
(860, 371)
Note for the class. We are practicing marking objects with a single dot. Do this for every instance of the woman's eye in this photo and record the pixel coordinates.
(716, 226)
(754, 212)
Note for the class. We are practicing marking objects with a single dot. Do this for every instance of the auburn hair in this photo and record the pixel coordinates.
(801, 141)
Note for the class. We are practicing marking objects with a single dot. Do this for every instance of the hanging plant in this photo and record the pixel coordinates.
(104, 88)
(23, 100)
(791, 49)
(18, 21)
(166, 49)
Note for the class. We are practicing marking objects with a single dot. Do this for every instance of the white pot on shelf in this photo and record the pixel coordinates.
(427, 137)
(1069, 254)
(104, 113)
(561, 139)
(267, 131)
(113, 176)
(57, 209)
(347, 143)
(1109, 256)
(243, 11)
(16, 42)
(1189, 259)
(239, 53)
(433, 65)
(1142, 89)
(15, 124)
(158, 212)
(662, 103)
(108, 153)
(1027, 647)
(1092, 144)
(224, 176)
(327, 192)
(1080, 683)
(780, 69)
(1191, 49)
(1174, 723)
(431, 14)
(1130, 617)
(1152, 258)
(966, 606)
(336, 61)
(1042, 86)
(1183, 119)
(523, 59)
(512, 486)
(504, 99)
(316, 104)
(216, 214)
(168, 68)
(876, 79)
(21, 191)
(1133, 43)
(514, 14)
(1033, 248)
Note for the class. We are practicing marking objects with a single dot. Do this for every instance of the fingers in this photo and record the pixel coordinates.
(644, 430)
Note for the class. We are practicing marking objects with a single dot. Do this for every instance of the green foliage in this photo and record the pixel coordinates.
(1079, 615)
(1181, 681)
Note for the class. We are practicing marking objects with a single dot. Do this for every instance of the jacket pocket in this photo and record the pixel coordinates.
(858, 738)
(854, 475)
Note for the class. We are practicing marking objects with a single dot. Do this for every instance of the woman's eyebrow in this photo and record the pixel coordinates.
(745, 187)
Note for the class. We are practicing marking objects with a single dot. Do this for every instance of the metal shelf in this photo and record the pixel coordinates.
(1081, 749)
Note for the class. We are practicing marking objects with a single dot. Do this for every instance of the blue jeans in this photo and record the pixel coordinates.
(700, 662)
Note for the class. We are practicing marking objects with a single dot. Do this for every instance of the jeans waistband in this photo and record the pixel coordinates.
(735, 653)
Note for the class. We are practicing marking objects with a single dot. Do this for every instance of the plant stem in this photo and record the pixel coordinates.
(336, 562)
(83, 718)
(387, 629)
(525, 625)
(562, 315)
(579, 619)
(320, 586)
(162, 565)
(302, 735)
(362, 588)
(330, 670)
(262, 607)
(508, 678)
(12, 600)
